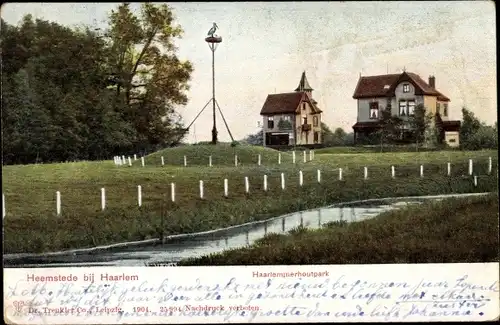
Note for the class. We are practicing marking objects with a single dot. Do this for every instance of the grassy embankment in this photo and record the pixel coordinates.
(32, 226)
(455, 230)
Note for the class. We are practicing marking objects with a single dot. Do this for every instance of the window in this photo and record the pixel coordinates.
(451, 140)
(315, 121)
(304, 106)
(411, 107)
(402, 108)
(374, 110)
(270, 122)
(438, 108)
(316, 137)
(445, 109)
(406, 88)
(304, 120)
(286, 118)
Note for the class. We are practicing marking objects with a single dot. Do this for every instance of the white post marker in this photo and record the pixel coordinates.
(210, 161)
(115, 160)
(129, 161)
(58, 203)
(365, 173)
(305, 156)
(247, 185)
(490, 165)
(319, 175)
(142, 161)
(258, 160)
(312, 151)
(449, 169)
(265, 183)
(162, 161)
(310, 155)
(123, 160)
(139, 195)
(135, 156)
(470, 167)
(226, 190)
(475, 180)
(279, 158)
(293, 156)
(185, 161)
(340, 174)
(421, 170)
(393, 172)
(301, 178)
(3, 206)
(172, 191)
(282, 181)
(201, 189)
(235, 160)
(103, 198)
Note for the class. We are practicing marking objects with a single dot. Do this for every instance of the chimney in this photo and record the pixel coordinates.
(432, 81)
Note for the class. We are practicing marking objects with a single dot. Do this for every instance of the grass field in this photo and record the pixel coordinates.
(31, 224)
(455, 230)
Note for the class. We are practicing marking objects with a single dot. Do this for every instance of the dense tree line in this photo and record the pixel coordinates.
(85, 94)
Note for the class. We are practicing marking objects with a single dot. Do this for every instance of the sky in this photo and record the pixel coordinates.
(266, 47)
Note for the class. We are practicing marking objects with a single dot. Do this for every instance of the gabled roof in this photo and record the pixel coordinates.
(281, 103)
(304, 84)
(384, 85)
(285, 103)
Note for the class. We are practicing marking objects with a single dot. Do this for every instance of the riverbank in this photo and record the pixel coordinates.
(31, 225)
(454, 230)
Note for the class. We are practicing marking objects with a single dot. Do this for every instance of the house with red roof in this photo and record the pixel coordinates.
(292, 118)
(403, 92)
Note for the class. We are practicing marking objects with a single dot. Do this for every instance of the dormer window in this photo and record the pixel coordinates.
(406, 88)
(387, 86)
(304, 106)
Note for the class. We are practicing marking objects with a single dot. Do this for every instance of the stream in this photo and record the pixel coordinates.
(174, 250)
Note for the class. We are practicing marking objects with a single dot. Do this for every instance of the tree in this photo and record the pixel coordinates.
(75, 94)
(150, 79)
(390, 127)
(470, 125)
(486, 137)
(336, 138)
(327, 135)
(284, 125)
(256, 139)
(419, 123)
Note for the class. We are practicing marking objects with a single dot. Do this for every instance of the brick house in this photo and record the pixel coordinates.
(404, 92)
(292, 118)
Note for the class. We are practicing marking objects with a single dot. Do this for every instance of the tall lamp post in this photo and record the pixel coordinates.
(213, 41)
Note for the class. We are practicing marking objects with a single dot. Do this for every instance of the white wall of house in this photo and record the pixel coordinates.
(452, 138)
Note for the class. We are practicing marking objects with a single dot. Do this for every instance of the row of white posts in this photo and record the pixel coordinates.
(247, 185)
(122, 160)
